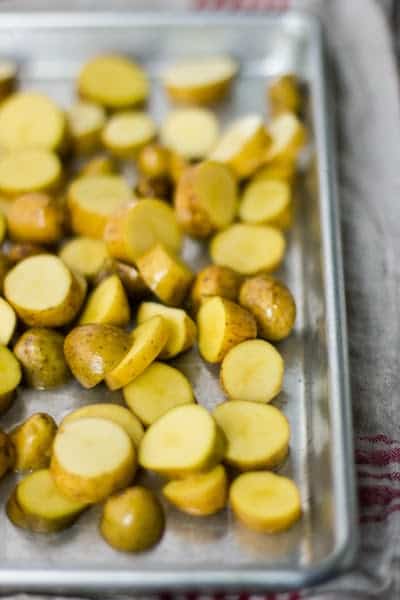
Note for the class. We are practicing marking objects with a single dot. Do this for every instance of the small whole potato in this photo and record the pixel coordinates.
(33, 442)
(132, 520)
(35, 217)
(7, 454)
(214, 281)
(153, 161)
(272, 305)
(41, 353)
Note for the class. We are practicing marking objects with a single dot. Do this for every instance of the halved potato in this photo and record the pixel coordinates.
(214, 281)
(127, 132)
(10, 378)
(33, 442)
(36, 218)
(7, 454)
(190, 132)
(92, 458)
(267, 202)
(23, 171)
(280, 169)
(8, 77)
(99, 165)
(284, 95)
(107, 304)
(181, 329)
(8, 322)
(288, 137)
(257, 434)
(85, 122)
(130, 278)
(154, 161)
(222, 325)
(155, 391)
(84, 255)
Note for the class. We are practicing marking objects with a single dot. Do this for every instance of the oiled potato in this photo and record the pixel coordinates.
(153, 161)
(288, 137)
(214, 281)
(191, 132)
(35, 218)
(33, 442)
(107, 304)
(7, 454)
(199, 495)
(86, 121)
(10, 377)
(15, 252)
(99, 165)
(130, 278)
(147, 187)
(84, 255)
(8, 322)
(284, 94)
(4, 268)
(127, 132)
(23, 171)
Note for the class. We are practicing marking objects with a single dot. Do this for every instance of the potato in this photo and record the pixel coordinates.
(4, 268)
(85, 123)
(36, 504)
(153, 188)
(201, 80)
(92, 199)
(3, 227)
(43, 291)
(272, 305)
(127, 132)
(283, 170)
(33, 442)
(92, 458)
(190, 132)
(257, 434)
(91, 351)
(35, 218)
(8, 77)
(10, 378)
(98, 165)
(199, 495)
(205, 199)
(23, 171)
(40, 352)
(214, 281)
(136, 227)
(155, 391)
(252, 370)
(182, 330)
(154, 161)
(284, 95)
(107, 304)
(222, 325)
(182, 442)
(265, 502)
(288, 137)
(177, 165)
(113, 81)
(7, 454)
(84, 255)
(133, 520)
(267, 202)
(148, 339)
(133, 283)
(8, 322)
(15, 252)
(248, 249)
(165, 275)
(31, 120)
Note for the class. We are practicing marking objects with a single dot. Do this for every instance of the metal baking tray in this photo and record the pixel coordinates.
(216, 552)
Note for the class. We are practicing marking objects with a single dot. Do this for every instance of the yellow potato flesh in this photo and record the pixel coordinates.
(108, 304)
(267, 202)
(84, 255)
(127, 132)
(199, 495)
(10, 372)
(8, 322)
(28, 171)
(191, 132)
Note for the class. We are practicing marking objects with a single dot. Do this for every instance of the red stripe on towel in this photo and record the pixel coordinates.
(380, 476)
(380, 495)
(381, 437)
(378, 458)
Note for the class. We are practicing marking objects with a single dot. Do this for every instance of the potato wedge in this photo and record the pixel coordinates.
(248, 249)
(85, 123)
(214, 281)
(201, 80)
(283, 170)
(190, 132)
(8, 77)
(182, 330)
(15, 252)
(155, 391)
(133, 283)
(165, 274)
(36, 218)
(98, 165)
(92, 458)
(284, 95)
(288, 137)
(265, 502)
(84, 255)
(154, 161)
(148, 339)
(205, 199)
(257, 434)
(10, 378)
(133, 520)
(136, 227)
(127, 132)
(33, 442)
(222, 325)
(37, 505)
(8, 322)
(43, 291)
(23, 171)
(267, 202)
(107, 304)
(7, 454)
(91, 351)
(199, 495)
(92, 199)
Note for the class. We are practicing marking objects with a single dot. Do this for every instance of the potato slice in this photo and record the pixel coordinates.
(248, 249)
(92, 199)
(36, 218)
(33, 442)
(284, 95)
(43, 291)
(107, 304)
(10, 378)
(113, 81)
(199, 495)
(127, 132)
(265, 502)
(92, 458)
(84, 255)
(8, 322)
(243, 145)
(257, 434)
(7, 454)
(190, 132)
(288, 137)
(98, 165)
(113, 412)
(31, 120)
(148, 339)
(130, 278)
(135, 228)
(155, 391)
(86, 121)
(15, 252)
(92, 351)
(214, 281)
(205, 199)
(167, 276)
(154, 161)
(200, 80)
(222, 325)
(24, 171)
(182, 330)
(8, 77)
(182, 442)
(282, 170)
(267, 202)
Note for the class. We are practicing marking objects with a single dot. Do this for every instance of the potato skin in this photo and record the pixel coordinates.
(36, 218)
(17, 251)
(41, 354)
(214, 281)
(159, 187)
(153, 161)
(272, 305)
(7, 454)
(33, 442)
(191, 216)
(130, 278)
(284, 94)
(4, 268)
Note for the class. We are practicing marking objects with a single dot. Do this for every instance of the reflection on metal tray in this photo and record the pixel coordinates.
(214, 552)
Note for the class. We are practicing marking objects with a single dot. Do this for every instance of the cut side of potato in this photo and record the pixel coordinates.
(35, 218)
(84, 255)
(127, 132)
(107, 304)
(252, 370)
(10, 378)
(86, 121)
(248, 249)
(191, 132)
(156, 391)
(24, 171)
(199, 495)
(8, 322)
(222, 325)
(182, 330)
(33, 442)
(8, 77)
(288, 137)
(267, 202)
(92, 458)
(281, 170)
(265, 502)
(214, 281)
(257, 434)
(284, 95)
(201, 80)
(148, 339)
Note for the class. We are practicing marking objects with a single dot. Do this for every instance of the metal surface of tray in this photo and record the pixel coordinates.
(214, 552)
